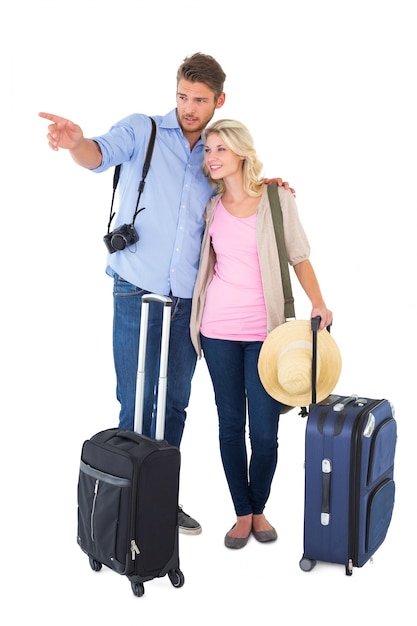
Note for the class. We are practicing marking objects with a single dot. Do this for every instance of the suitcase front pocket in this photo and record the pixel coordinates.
(380, 508)
(103, 516)
(382, 450)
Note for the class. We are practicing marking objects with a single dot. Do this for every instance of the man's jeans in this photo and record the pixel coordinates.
(182, 359)
(233, 367)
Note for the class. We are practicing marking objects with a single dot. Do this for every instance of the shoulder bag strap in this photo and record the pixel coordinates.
(275, 205)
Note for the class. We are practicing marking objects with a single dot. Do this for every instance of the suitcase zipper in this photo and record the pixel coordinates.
(354, 498)
(134, 549)
(93, 508)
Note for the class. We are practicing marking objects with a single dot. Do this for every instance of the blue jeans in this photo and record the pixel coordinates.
(182, 360)
(233, 367)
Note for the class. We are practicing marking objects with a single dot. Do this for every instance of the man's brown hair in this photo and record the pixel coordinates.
(202, 68)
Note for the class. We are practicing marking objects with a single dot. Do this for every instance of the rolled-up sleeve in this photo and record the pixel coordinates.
(296, 242)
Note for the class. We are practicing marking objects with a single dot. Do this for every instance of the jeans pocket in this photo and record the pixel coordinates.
(122, 287)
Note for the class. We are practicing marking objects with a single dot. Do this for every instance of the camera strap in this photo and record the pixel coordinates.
(145, 169)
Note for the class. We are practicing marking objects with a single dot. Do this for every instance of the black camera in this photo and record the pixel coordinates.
(120, 238)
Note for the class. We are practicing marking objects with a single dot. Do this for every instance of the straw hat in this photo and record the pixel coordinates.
(285, 363)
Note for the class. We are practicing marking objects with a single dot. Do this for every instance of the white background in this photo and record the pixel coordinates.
(327, 89)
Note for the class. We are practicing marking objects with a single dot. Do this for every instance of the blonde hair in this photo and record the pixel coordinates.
(237, 138)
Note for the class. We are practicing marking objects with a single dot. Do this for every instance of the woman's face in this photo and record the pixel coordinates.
(219, 159)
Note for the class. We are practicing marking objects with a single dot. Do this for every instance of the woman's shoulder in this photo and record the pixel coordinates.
(213, 201)
(285, 196)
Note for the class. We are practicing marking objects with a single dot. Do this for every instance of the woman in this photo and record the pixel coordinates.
(237, 300)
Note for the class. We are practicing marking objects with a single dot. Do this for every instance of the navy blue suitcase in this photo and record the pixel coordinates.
(349, 479)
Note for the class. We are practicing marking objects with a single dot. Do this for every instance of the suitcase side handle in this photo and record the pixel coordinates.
(341, 405)
(128, 434)
(326, 472)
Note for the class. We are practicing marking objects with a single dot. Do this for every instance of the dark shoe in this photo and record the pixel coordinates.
(235, 542)
(265, 535)
(186, 524)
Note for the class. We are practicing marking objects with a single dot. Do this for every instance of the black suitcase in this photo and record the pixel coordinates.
(128, 487)
(349, 495)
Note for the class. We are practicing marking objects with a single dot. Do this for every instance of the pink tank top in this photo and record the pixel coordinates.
(234, 307)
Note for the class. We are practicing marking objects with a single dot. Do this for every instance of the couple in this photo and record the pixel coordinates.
(167, 260)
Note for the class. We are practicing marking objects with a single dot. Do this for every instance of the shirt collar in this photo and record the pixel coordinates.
(170, 120)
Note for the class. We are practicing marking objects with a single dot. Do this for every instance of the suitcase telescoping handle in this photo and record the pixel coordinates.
(315, 325)
(163, 367)
(339, 406)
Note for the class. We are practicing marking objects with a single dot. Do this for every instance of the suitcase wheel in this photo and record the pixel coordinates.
(307, 564)
(138, 589)
(176, 577)
(95, 565)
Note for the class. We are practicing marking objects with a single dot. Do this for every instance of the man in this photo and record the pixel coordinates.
(165, 258)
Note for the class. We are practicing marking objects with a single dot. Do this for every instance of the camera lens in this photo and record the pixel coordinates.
(118, 242)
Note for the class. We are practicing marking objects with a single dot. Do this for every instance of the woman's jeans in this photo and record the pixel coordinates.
(233, 367)
(182, 360)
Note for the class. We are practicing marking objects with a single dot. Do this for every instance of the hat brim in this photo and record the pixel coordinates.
(281, 339)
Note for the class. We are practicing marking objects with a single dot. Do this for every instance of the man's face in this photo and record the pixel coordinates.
(196, 104)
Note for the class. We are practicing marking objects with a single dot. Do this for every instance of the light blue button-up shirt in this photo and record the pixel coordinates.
(165, 259)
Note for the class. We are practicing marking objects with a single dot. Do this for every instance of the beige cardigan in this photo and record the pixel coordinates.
(298, 250)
